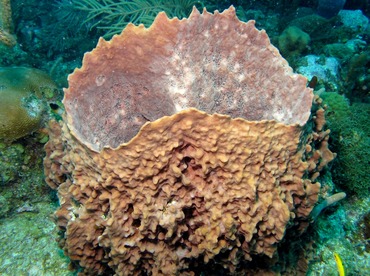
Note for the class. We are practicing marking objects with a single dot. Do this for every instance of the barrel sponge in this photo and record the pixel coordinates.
(184, 143)
(21, 104)
(214, 66)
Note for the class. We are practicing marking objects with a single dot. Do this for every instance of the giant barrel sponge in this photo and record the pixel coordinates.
(186, 144)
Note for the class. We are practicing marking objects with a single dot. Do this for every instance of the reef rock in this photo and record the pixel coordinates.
(184, 144)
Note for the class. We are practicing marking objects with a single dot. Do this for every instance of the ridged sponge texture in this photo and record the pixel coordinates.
(214, 63)
(183, 144)
(188, 186)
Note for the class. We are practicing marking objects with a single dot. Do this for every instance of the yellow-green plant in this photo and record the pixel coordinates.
(114, 15)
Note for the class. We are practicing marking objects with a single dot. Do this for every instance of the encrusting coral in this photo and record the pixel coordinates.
(22, 100)
(185, 143)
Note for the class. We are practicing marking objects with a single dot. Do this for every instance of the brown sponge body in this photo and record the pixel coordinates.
(188, 186)
(168, 156)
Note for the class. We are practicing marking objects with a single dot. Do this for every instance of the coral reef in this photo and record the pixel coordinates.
(325, 69)
(293, 41)
(357, 77)
(350, 139)
(22, 105)
(11, 161)
(27, 246)
(53, 37)
(342, 230)
(6, 24)
(21, 175)
(192, 152)
(354, 20)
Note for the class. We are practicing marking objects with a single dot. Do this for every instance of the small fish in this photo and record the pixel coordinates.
(340, 266)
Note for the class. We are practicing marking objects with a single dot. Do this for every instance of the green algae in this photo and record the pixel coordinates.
(21, 175)
(350, 139)
(11, 161)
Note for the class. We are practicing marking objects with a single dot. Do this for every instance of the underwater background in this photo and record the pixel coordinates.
(326, 41)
